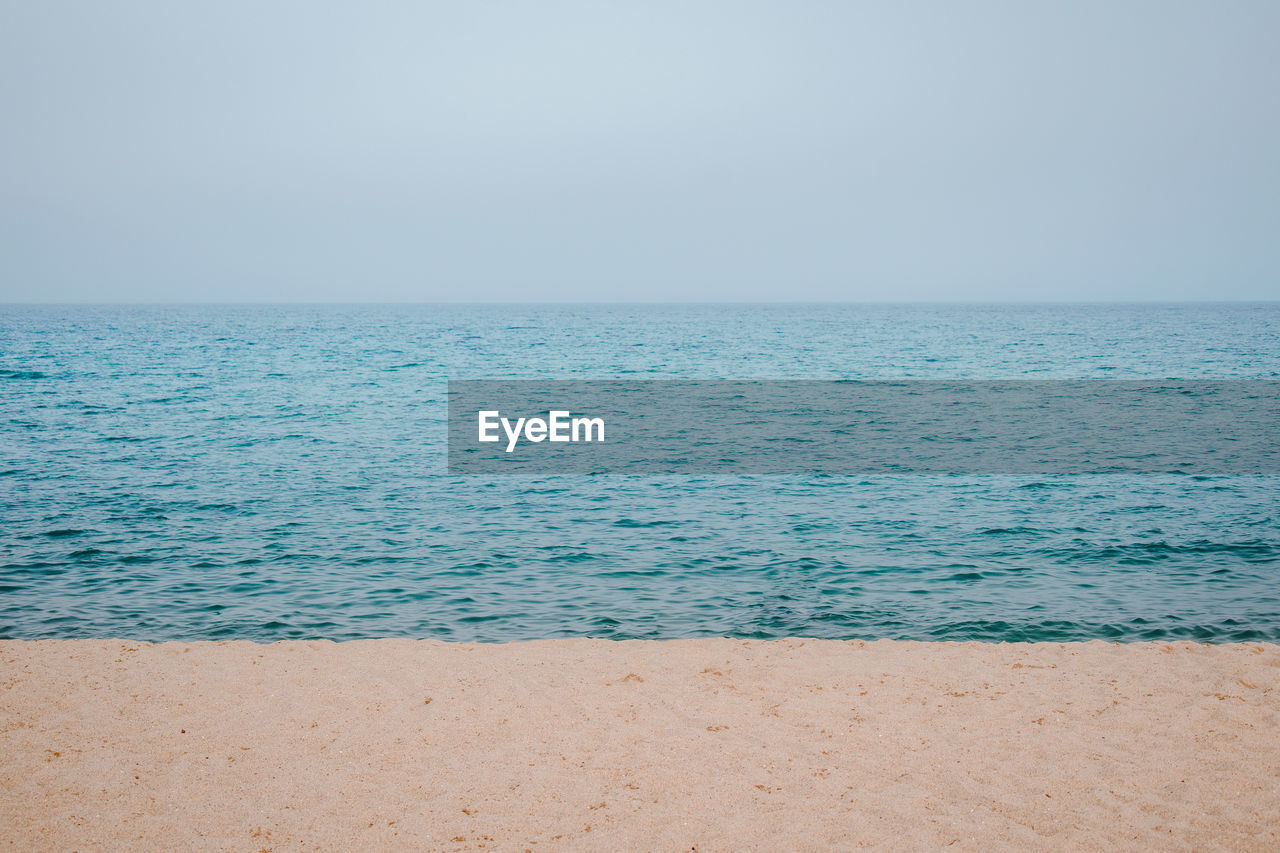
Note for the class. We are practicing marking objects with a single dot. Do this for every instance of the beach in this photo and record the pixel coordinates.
(673, 427)
(584, 744)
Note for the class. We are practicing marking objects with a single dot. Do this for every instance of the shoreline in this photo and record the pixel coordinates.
(577, 744)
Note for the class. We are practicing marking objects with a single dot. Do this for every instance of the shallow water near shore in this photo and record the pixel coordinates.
(271, 473)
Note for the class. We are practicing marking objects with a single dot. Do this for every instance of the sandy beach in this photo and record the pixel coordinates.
(678, 745)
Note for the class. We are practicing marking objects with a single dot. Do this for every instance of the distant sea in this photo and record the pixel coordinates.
(271, 473)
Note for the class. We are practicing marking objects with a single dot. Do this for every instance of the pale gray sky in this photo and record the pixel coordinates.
(494, 150)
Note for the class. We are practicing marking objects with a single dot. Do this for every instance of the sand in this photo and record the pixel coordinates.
(599, 745)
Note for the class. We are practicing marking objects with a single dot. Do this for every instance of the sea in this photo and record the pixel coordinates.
(210, 472)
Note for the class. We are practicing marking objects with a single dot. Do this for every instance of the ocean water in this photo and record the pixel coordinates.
(272, 473)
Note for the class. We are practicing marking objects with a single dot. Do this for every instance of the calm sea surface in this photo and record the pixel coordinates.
(269, 473)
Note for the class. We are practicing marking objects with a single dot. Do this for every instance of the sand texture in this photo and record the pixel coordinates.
(600, 745)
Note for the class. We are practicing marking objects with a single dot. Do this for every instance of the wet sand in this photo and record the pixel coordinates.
(599, 745)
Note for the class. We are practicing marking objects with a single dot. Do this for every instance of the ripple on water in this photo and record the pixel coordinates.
(273, 474)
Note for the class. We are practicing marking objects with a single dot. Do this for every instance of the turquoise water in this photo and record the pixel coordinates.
(279, 472)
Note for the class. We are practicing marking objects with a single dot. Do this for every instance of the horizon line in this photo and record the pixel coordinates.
(630, 302)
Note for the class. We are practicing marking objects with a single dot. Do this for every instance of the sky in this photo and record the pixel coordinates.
(643, 151)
